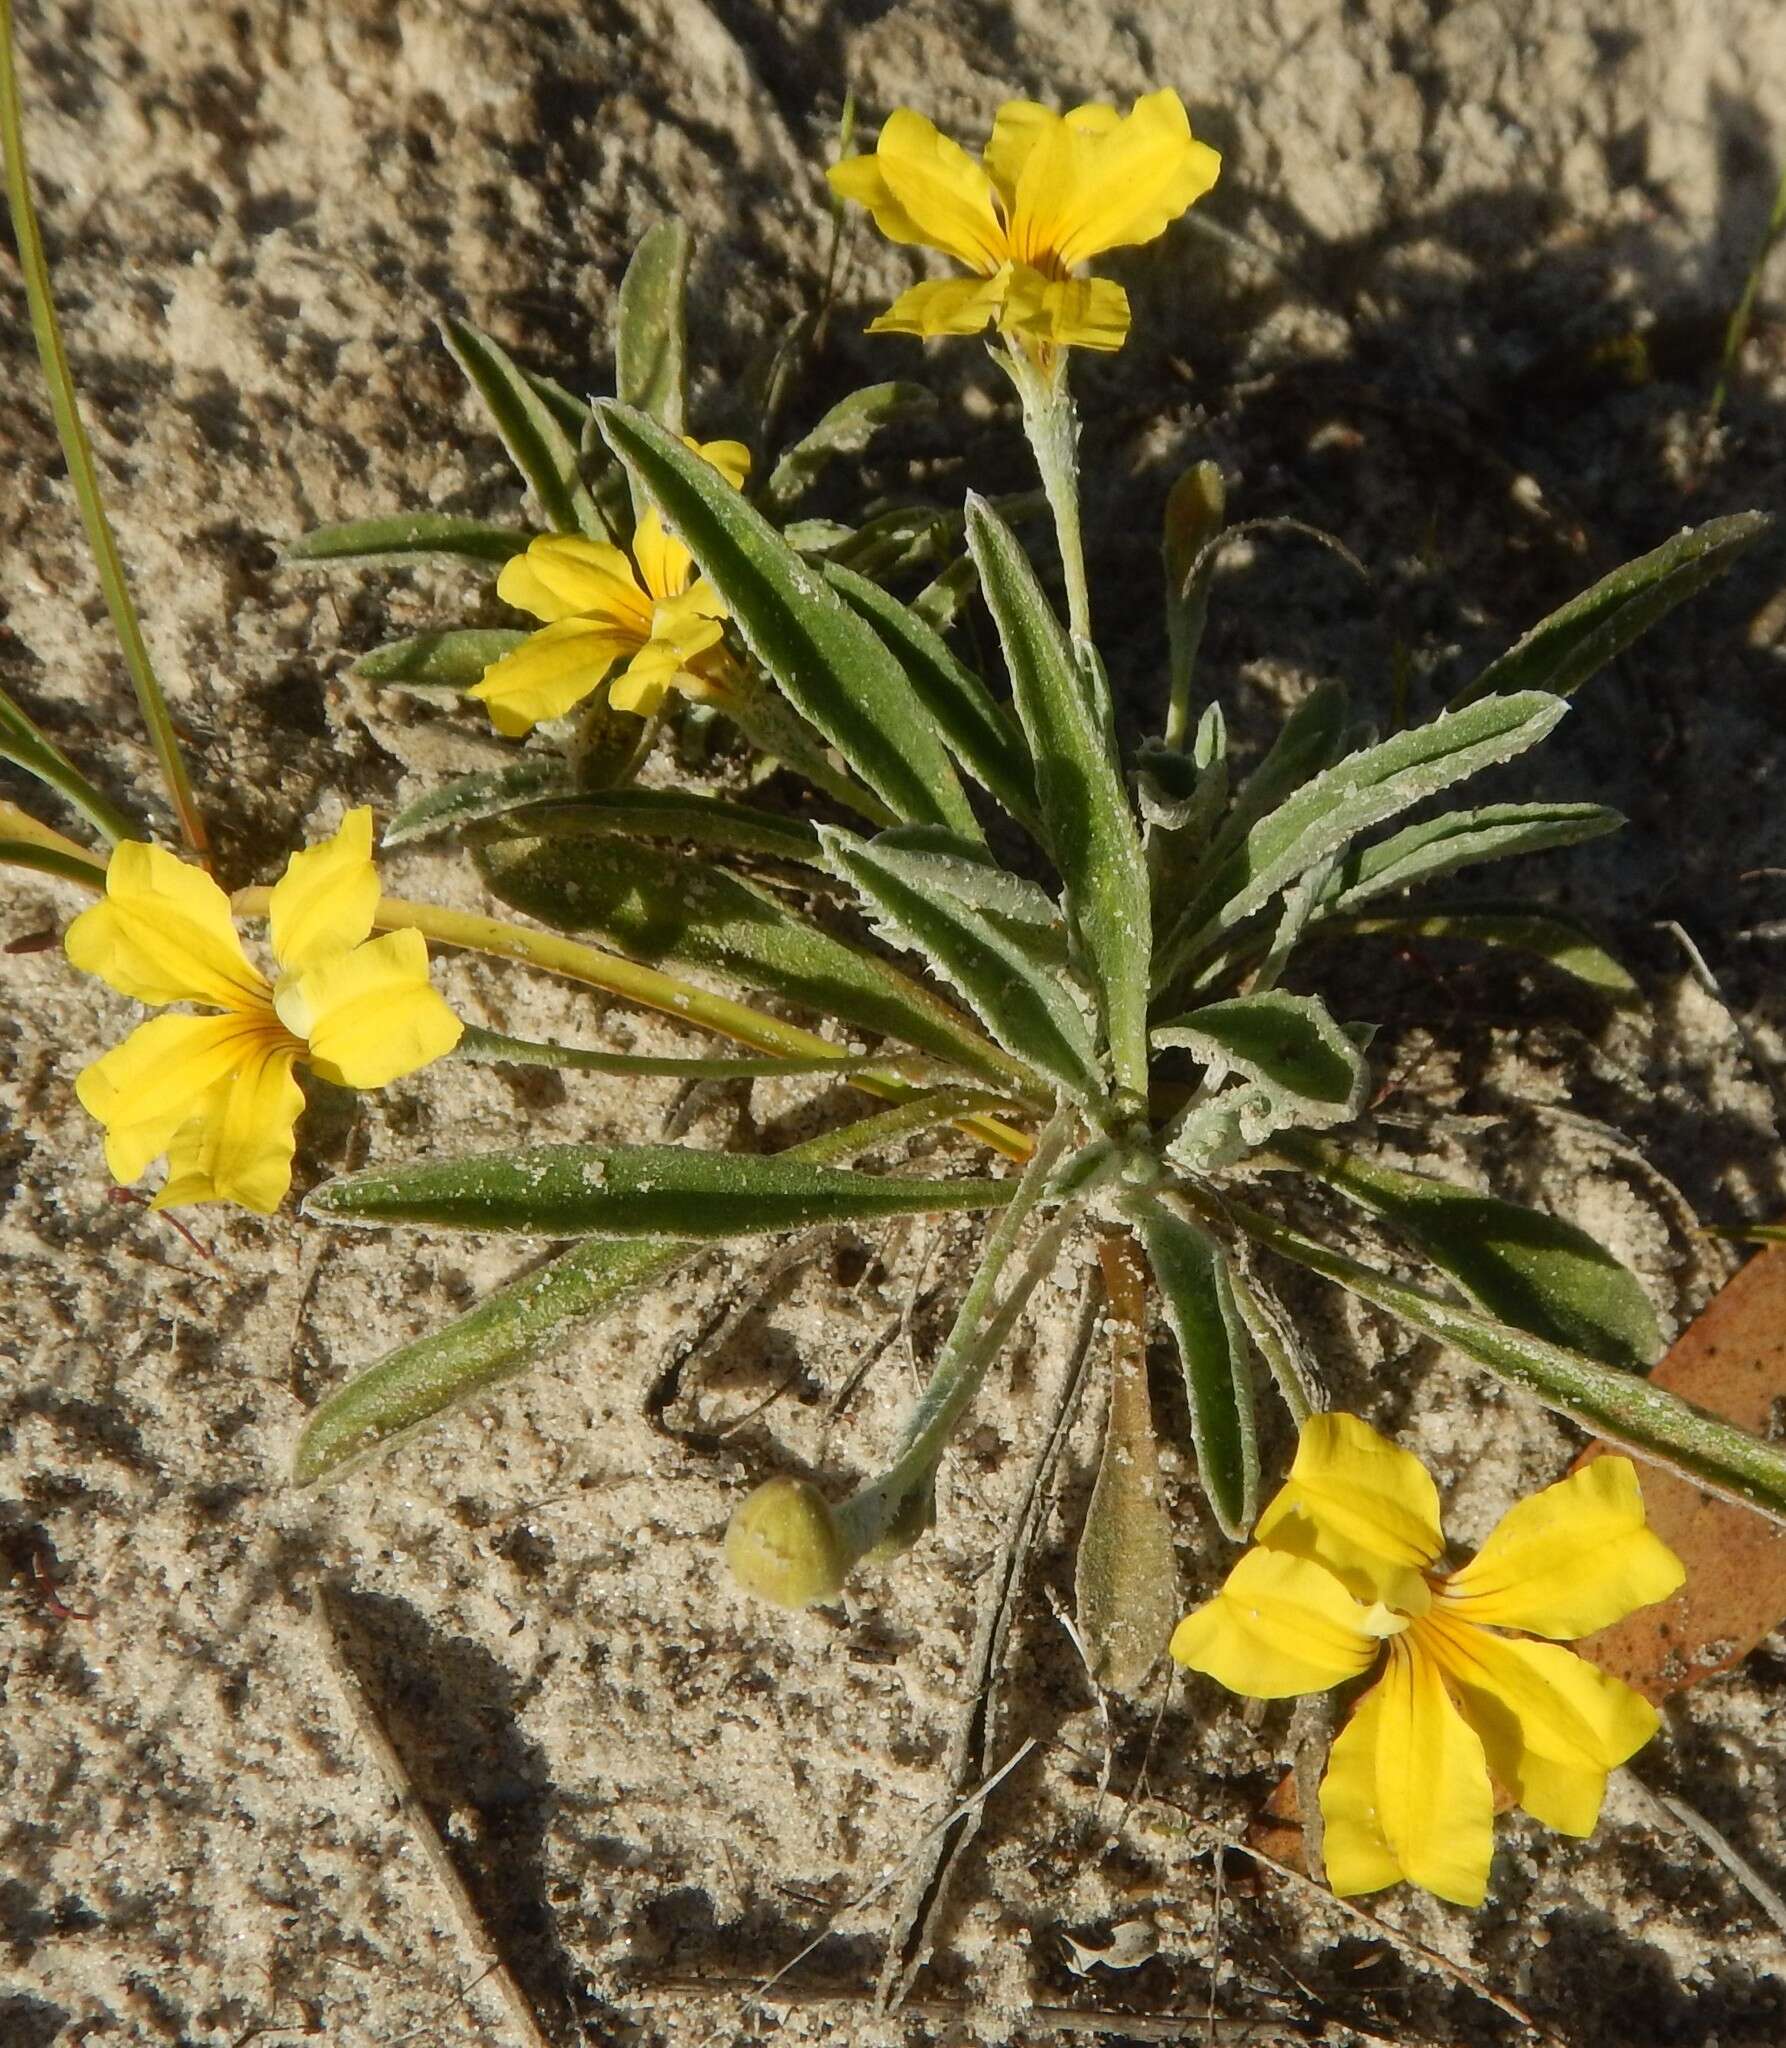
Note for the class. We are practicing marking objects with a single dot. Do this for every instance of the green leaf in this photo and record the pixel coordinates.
(1534, 1271)
(1304, 1069)
(529, 429)
(403, 535)
(832, 665)
(1441, 846)
(412, 1387)
(469, 798)
(975, 727)
(1324, 816)
(1565, 649)
(454, 659)
(24, 744)
(845, 430)
(47, 860)
(714, 823)
(1621, 1406)
(914, 897)
(684, 913)
(1085, 812)
(496, 1048)
(1565, 944)
(651, 326)
(671, 1191)
(1212, 1347)
(940, 603)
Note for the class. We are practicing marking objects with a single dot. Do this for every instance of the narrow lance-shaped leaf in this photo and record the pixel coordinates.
(1022, 1003)
(846, 429)
(400, 536)
(1562, 942)
(1361, 791)
(1563, 651)
(529, 429)
(467, 799)
(1303, 1069)
(832, 665)
(419, 1382)
(975, 727)
(651, 326)
(1621, 1406)
(1212, 1347)
(1085, 810)
(1441, 846)
(714, 823)
(687, 914)
(671, 1191)
(1534, 1271)
(453, 659)
(496, 1047)
(22, 743)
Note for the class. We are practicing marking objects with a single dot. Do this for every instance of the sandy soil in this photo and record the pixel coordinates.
(1393, 320)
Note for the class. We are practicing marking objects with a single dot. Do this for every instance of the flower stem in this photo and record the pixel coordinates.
(78, 453)
(1052, 428)
(877, 1510)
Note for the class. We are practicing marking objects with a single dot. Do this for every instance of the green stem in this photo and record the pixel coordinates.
(24, 743)
(1052, 428)
(78, 453)
(975, 1340)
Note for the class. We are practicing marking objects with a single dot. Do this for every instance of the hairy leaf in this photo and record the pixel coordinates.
(685, 913)
(1422, 853)
(1564, 943)
(651, 326)
(402, 535)
(714, 823)
(670, 1191)
(832, 665)
(1085, 812)
(846, 429)
(1562, 652)
(454, 659)
(469, 798)
(913, 896)
(1303, 1067)
(1534, 1271)
(1212, 1347)
(528, 427)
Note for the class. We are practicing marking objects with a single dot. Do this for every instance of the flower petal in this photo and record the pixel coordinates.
(372, 1014)
(861, 179)
(1280, 1625)
(1070, 312)
(1021, 124)
(1572, 1559)
(549, 672)
(324, 901)
(564, 576)
(940, 191)
(144, 1089)
(164, 934)
(664, 563)
(238, 1146)
(1358, 1504)
(1085, 193)
(1552, 1724)
(945, 305)
(1407, 1786)
(730, 458)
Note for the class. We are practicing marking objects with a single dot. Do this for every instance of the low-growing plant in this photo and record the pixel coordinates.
(1104, 967)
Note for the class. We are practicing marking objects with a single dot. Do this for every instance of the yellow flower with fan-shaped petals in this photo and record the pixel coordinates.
(217, 1093)
(1050, 192)
(1344, 1576)
(646, 611)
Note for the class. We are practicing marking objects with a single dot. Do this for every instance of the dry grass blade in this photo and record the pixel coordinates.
(362, 1711)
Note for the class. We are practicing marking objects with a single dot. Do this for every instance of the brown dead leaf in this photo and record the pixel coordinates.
(1732, 1360)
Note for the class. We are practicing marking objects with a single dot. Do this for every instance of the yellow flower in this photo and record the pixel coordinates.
(216, 1093)
(599, 607)
(1053, 191)
(1344, 1563)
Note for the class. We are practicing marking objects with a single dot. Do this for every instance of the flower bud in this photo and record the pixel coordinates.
(784, 1545)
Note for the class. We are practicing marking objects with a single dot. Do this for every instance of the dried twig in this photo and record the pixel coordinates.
(363, 1712)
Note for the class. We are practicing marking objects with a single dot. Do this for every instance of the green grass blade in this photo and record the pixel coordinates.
(78, 453)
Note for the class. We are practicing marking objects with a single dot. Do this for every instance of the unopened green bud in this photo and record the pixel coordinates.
(784, 1545)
